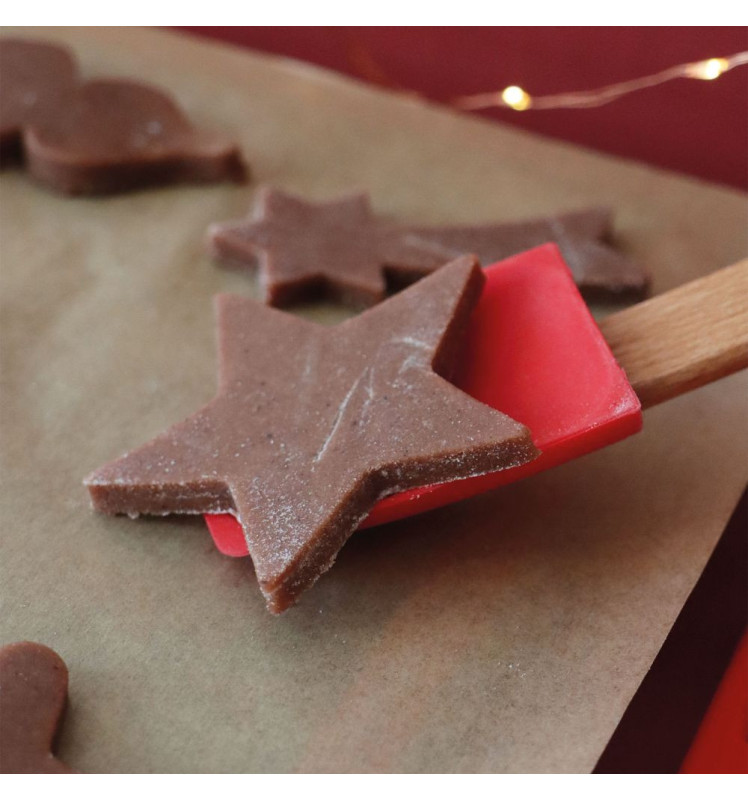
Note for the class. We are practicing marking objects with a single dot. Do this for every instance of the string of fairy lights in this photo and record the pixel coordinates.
(518, 99)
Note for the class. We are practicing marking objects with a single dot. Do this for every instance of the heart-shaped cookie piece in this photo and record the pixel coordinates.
(38, 80)
(118, 135)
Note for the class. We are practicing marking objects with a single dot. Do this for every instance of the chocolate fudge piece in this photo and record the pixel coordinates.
(33, 695)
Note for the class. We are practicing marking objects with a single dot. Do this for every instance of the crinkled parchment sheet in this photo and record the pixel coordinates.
(506, 633)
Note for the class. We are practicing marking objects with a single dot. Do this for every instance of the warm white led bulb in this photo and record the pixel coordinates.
(516, 98)
(708, 70)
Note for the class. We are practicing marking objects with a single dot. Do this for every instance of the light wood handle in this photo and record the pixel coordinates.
(684, 338)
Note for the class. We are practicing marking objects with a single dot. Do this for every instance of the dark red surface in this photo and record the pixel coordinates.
(534, 352)
(722, 742)
(696, 127)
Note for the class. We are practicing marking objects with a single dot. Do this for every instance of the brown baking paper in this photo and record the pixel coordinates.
(506, 633)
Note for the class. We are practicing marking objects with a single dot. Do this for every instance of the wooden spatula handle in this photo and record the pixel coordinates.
(684, 338)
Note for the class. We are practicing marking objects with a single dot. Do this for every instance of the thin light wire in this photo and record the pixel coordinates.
(518, 99)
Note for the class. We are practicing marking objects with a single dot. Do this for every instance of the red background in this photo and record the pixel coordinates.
(696, 127)
(699, 128)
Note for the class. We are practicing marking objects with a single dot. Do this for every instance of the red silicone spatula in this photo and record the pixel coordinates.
(535, 352)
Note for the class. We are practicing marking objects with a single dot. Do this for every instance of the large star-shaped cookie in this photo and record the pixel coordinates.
(312, 425)
(342, 250)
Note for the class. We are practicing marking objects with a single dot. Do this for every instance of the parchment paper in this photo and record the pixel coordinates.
(507, 633)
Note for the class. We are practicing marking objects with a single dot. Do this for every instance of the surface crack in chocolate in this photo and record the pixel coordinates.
(101, 136)
(342, 250)
(33, 696)
(312, 425)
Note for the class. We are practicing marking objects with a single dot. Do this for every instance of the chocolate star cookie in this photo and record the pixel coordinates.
(312, 425)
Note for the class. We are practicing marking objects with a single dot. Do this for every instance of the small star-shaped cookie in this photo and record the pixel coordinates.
(33, 695)
(342, 250)
(312, 425)
(599, 270)
(337, 249)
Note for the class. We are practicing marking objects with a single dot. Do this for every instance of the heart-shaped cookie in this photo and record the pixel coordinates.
(118, 135)
(102, 136)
